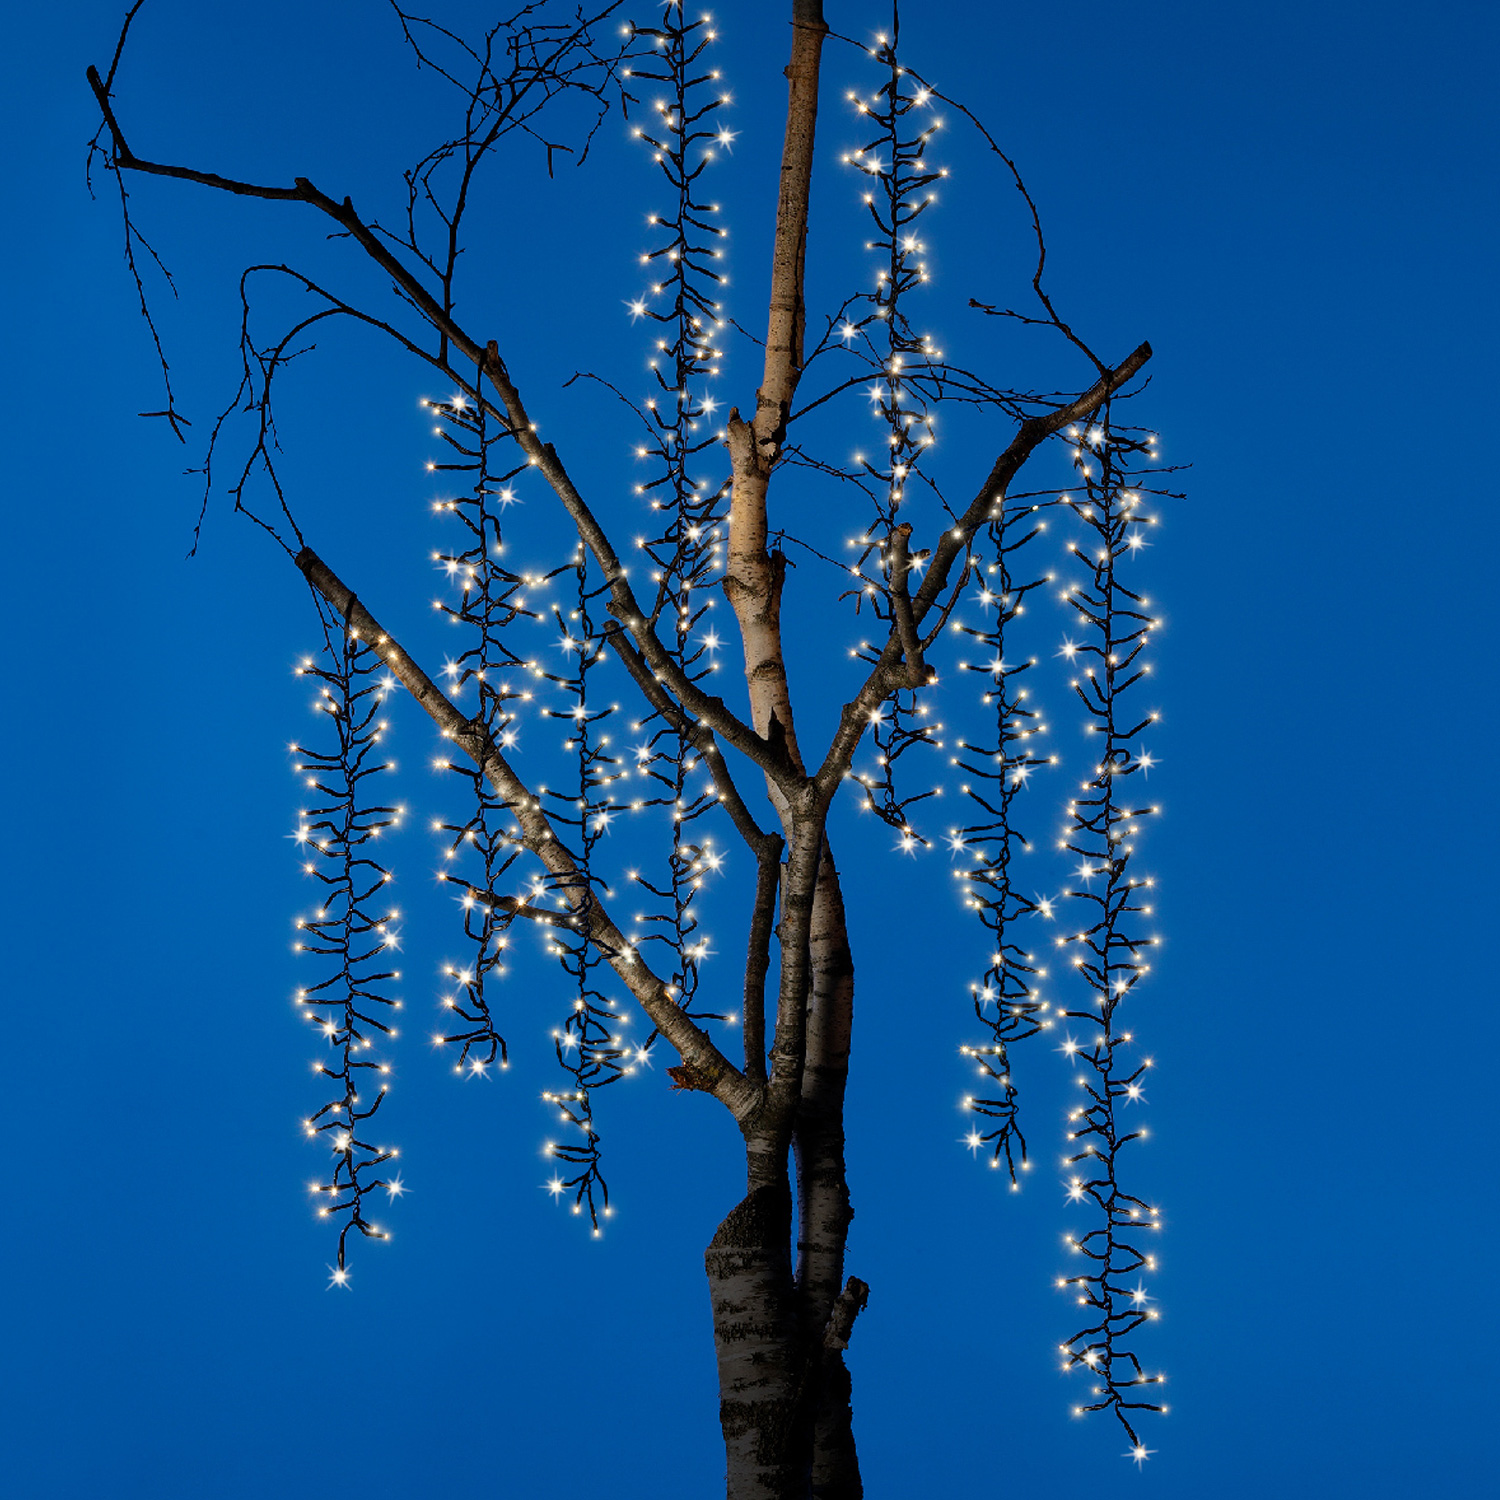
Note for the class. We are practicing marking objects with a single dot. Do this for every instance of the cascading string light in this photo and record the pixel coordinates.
(679, 419)
(911, 379)
(590, 1046)
(352, 927)
(488, 597)
(1006, 999)
(907, 383)
(491, 597)
(1108, 951)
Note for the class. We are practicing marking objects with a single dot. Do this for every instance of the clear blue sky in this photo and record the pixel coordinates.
(1295, 204)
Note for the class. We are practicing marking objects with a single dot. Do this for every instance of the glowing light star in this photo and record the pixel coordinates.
(637, 309)
(1139, 1453)
(395, 1187)
(338, 1276)
(557, 1187)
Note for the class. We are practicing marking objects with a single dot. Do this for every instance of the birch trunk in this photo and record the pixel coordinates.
(762, 1409)
(805, 1098)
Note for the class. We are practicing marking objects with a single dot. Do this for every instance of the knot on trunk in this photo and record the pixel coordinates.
(849, 1305)
(689, 1076)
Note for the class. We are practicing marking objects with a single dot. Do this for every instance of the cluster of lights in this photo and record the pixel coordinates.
(689, 318)
(351, 929)
(1006, 1000)
(1108, 951)
(590, 1047)
(689, 549)
(906, 384)
(489, 597)
(904, 363)
(481, 850)
(910, 380)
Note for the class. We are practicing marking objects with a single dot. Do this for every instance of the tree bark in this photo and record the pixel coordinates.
(824, 1209)
(762, 1405)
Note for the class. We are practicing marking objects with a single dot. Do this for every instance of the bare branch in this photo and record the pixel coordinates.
(758, 959)
(699, 734)
(752, 578)
(717, 1074)
(886, 674)
(765, 752)
(906, 629)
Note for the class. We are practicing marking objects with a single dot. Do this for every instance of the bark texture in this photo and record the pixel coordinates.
(762, 1409)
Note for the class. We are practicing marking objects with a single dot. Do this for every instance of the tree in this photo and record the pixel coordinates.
(526, 851)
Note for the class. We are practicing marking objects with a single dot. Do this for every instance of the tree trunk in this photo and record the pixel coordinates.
(784, 1396)
(824, 1210)
(835, 1472)
(762, 1390)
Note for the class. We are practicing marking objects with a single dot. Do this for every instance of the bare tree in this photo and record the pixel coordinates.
(523, 852)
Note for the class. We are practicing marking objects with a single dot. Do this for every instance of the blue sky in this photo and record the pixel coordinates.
(1295, 204)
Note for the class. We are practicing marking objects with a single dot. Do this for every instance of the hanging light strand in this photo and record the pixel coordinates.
(1110, 948)
(590, 1046)
(352, 929)
(1006, 999)
(487, 598)
(906, 384)
(685, 137)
